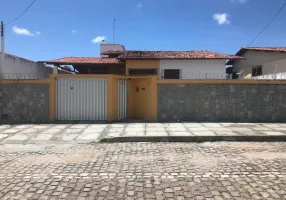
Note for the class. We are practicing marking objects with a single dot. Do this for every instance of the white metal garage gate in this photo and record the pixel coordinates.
(122, 99)
(81, 99)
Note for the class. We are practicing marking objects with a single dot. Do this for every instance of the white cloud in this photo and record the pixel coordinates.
(221, 18)
(98, 39)
(74, 31)
(237, 1)
(23, 31)
(139, 5)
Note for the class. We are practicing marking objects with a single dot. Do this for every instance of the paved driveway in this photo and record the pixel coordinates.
(81, 133)
(51, 133)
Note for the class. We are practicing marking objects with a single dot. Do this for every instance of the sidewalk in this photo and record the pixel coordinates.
(140, 132)
(195, 132)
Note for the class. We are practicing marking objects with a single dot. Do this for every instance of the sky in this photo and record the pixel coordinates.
(53, 29)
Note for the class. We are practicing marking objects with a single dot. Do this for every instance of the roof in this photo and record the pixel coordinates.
(174, 55)
(266, 49)
(83, 60)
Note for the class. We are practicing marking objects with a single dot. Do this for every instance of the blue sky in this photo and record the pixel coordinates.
(58, 28)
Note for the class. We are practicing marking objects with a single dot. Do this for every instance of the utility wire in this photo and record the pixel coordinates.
(267, 24)
(22, 13)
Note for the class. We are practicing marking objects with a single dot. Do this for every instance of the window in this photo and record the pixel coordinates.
(257, 71)
(172, 74)
(142, 72)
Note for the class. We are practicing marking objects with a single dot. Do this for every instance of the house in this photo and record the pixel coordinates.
(177, 64)
(20, 68)
(165, 64)
(259, 61)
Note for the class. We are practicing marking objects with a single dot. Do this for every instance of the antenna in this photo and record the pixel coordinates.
(113, 29)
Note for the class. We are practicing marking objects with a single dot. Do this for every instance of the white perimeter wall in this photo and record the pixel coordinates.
(196, 68)
(24, 69)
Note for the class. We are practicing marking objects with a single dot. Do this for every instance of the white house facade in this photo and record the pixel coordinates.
(196, 64)
(190, 69)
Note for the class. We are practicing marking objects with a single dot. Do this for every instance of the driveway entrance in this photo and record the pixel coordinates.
(81, 99)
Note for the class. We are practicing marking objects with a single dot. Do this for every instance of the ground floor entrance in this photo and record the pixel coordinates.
(81, 99)
(110, 98)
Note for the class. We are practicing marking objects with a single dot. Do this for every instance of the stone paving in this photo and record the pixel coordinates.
(43, 133)
(68, 133)
(136, 171)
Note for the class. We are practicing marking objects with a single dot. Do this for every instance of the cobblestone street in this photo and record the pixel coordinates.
(143, 171)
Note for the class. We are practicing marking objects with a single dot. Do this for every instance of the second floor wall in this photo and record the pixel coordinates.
(180, 69)
(190, 69)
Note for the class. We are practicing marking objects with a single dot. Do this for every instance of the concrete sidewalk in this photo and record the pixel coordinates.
(140, 132)
(195, 132)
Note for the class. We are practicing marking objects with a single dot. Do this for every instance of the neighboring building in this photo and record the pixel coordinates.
(17, 67)
(259, 61)
(165, 64)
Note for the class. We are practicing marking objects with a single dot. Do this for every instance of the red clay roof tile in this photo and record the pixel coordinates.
(83, 60)
(174, 55)
(279, 49)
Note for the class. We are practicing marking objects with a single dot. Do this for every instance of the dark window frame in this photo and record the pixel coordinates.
(257, 71)
(142, 72)
(172, 74)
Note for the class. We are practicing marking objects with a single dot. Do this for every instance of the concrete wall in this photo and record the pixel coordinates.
(256, 58)
(23, 68)
(110, 47)
(222, 102)
(276, 66)
(20, 102)
(196, 68)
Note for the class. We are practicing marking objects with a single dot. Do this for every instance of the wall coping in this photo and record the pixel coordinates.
(234, 82)
(27, 81)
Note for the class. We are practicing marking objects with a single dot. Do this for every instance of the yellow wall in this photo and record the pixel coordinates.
(142, 64)
(142, 103)
(113, 101)
(52, 81)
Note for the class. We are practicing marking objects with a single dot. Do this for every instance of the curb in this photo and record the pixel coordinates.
(197, 139)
